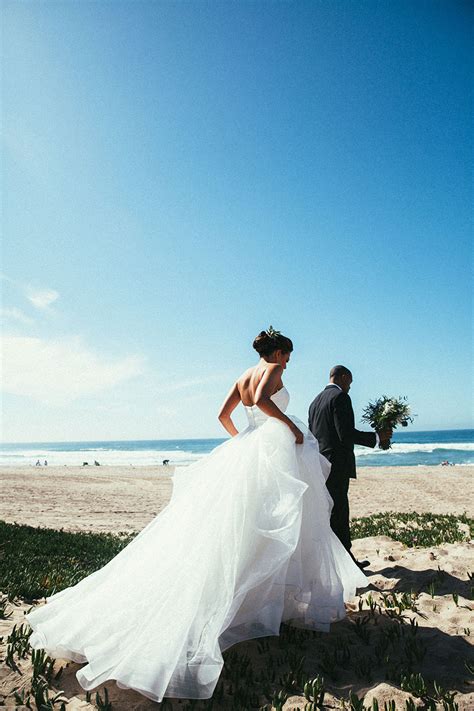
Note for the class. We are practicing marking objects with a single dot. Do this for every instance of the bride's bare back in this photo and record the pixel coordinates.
(256, 387)
(249, 382)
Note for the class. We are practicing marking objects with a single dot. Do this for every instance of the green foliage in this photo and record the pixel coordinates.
(40, 695)
(5, 611)
(314, 691)
(17, 644)
(42, 677)
(414, 529)
(356, 704)
(414, 684)
(103, 704)
(362, 629)
(433, 696)
(38, 562)
(43, 665)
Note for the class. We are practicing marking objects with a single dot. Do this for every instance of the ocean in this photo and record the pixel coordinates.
(409, 449)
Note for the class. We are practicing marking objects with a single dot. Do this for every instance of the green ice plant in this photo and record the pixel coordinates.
(17, 643)
(356, 704)
(41, 696)
(361, 629)
(342, 652)
(314, 690)
(4, 615)
(103, 704)
(414, 529)
(414, 684)
(441, 694)
(415, 651)
(469, 667)
(43, 665)
(278, 700)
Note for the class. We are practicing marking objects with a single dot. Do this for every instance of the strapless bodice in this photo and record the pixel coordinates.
(255, 415)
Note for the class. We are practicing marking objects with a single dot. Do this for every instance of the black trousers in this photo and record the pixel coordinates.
(338, 487)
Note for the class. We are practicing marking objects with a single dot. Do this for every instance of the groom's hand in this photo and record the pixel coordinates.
(385, 436)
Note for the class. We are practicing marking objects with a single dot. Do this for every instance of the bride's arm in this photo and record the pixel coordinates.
(266, 387)
(229, 405)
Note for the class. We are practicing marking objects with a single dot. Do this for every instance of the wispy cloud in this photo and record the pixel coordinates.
(191, 384)
(14, 314)
(41, 298)
(58, 371)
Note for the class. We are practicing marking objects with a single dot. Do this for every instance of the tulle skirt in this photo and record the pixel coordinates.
(243, 545)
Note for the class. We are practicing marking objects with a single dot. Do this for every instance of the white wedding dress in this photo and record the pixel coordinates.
(243, 545)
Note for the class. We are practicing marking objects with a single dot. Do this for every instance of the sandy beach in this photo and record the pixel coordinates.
(436, 579)
(126, 498)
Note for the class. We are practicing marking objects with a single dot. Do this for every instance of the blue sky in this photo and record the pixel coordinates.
(179, 175)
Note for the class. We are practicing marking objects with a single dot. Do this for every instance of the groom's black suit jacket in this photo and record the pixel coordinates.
(331, 420)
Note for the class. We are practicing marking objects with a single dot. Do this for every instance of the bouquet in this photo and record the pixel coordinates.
(387, 412)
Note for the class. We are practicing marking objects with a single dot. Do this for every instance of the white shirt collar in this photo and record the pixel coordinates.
(335, 384)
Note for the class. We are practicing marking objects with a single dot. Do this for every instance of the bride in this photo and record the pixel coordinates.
(243, 545)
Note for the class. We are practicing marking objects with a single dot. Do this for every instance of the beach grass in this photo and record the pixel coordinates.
(37, 562)
(415, 529)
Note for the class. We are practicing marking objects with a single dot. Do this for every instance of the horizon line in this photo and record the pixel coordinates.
(193, 439)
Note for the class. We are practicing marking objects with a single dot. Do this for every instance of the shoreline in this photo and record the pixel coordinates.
(126, 499)
(388, 467)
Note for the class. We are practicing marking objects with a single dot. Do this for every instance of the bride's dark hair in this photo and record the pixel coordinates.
(267, 342)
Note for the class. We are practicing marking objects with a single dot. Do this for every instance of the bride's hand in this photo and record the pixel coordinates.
(299, 436)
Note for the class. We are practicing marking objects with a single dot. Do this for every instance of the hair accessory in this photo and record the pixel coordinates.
(271, 333)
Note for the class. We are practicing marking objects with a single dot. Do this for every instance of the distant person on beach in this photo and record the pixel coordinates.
(45, 462)
(96, 463)
(38, 463)
(331, 420)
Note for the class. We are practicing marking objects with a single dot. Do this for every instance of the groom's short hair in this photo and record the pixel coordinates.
(339, 370)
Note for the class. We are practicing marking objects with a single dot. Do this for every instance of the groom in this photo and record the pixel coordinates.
(331, 420)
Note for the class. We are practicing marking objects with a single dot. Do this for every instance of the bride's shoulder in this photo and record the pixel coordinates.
(272, 367)
(245, 379)
(273, 372)
(255, 374)
(246, 374)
